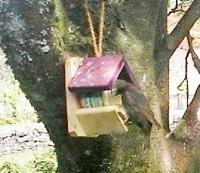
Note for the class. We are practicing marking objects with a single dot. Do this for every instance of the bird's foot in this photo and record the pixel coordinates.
(123, 115)
(128, 122)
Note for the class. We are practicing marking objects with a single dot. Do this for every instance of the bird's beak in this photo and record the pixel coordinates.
(114, 91)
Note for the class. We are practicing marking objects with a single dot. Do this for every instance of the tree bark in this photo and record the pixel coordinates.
(190, 115)
(134, 28)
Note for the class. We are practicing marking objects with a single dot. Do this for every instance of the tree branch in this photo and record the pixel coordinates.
(195, 57)
(190, 42)
(196, 61)
(175, 9)
(184, 25)
(190, 114)
(189, 117)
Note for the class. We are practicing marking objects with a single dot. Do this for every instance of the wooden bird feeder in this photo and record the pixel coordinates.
(92, 109)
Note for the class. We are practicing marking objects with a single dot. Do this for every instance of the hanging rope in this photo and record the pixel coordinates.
(97, 47)
(101, 26)
(91, 28)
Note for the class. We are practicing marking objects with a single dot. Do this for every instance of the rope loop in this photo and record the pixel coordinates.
(97, 46)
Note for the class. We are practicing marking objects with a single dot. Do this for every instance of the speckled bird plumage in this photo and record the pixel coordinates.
(136, 105)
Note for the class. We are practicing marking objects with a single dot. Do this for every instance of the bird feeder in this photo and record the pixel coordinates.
(92, 108)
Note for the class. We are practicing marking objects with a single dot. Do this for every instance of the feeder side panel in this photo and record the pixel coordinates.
(74, 126)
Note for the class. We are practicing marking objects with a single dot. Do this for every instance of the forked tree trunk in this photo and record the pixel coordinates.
(134, 28)
(137, 30)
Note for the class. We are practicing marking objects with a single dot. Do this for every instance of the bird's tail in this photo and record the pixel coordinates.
(148, 113)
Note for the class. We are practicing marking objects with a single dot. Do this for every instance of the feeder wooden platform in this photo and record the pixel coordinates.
(101, 120)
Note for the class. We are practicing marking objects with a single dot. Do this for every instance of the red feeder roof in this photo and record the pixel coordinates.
(101, 73)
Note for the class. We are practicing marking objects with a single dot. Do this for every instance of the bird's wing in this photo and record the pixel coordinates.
(139, 103)
(138, 119)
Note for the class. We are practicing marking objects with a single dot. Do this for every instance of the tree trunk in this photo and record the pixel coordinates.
(134, 28)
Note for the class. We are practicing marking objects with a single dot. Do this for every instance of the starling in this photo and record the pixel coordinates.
(136, 105)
